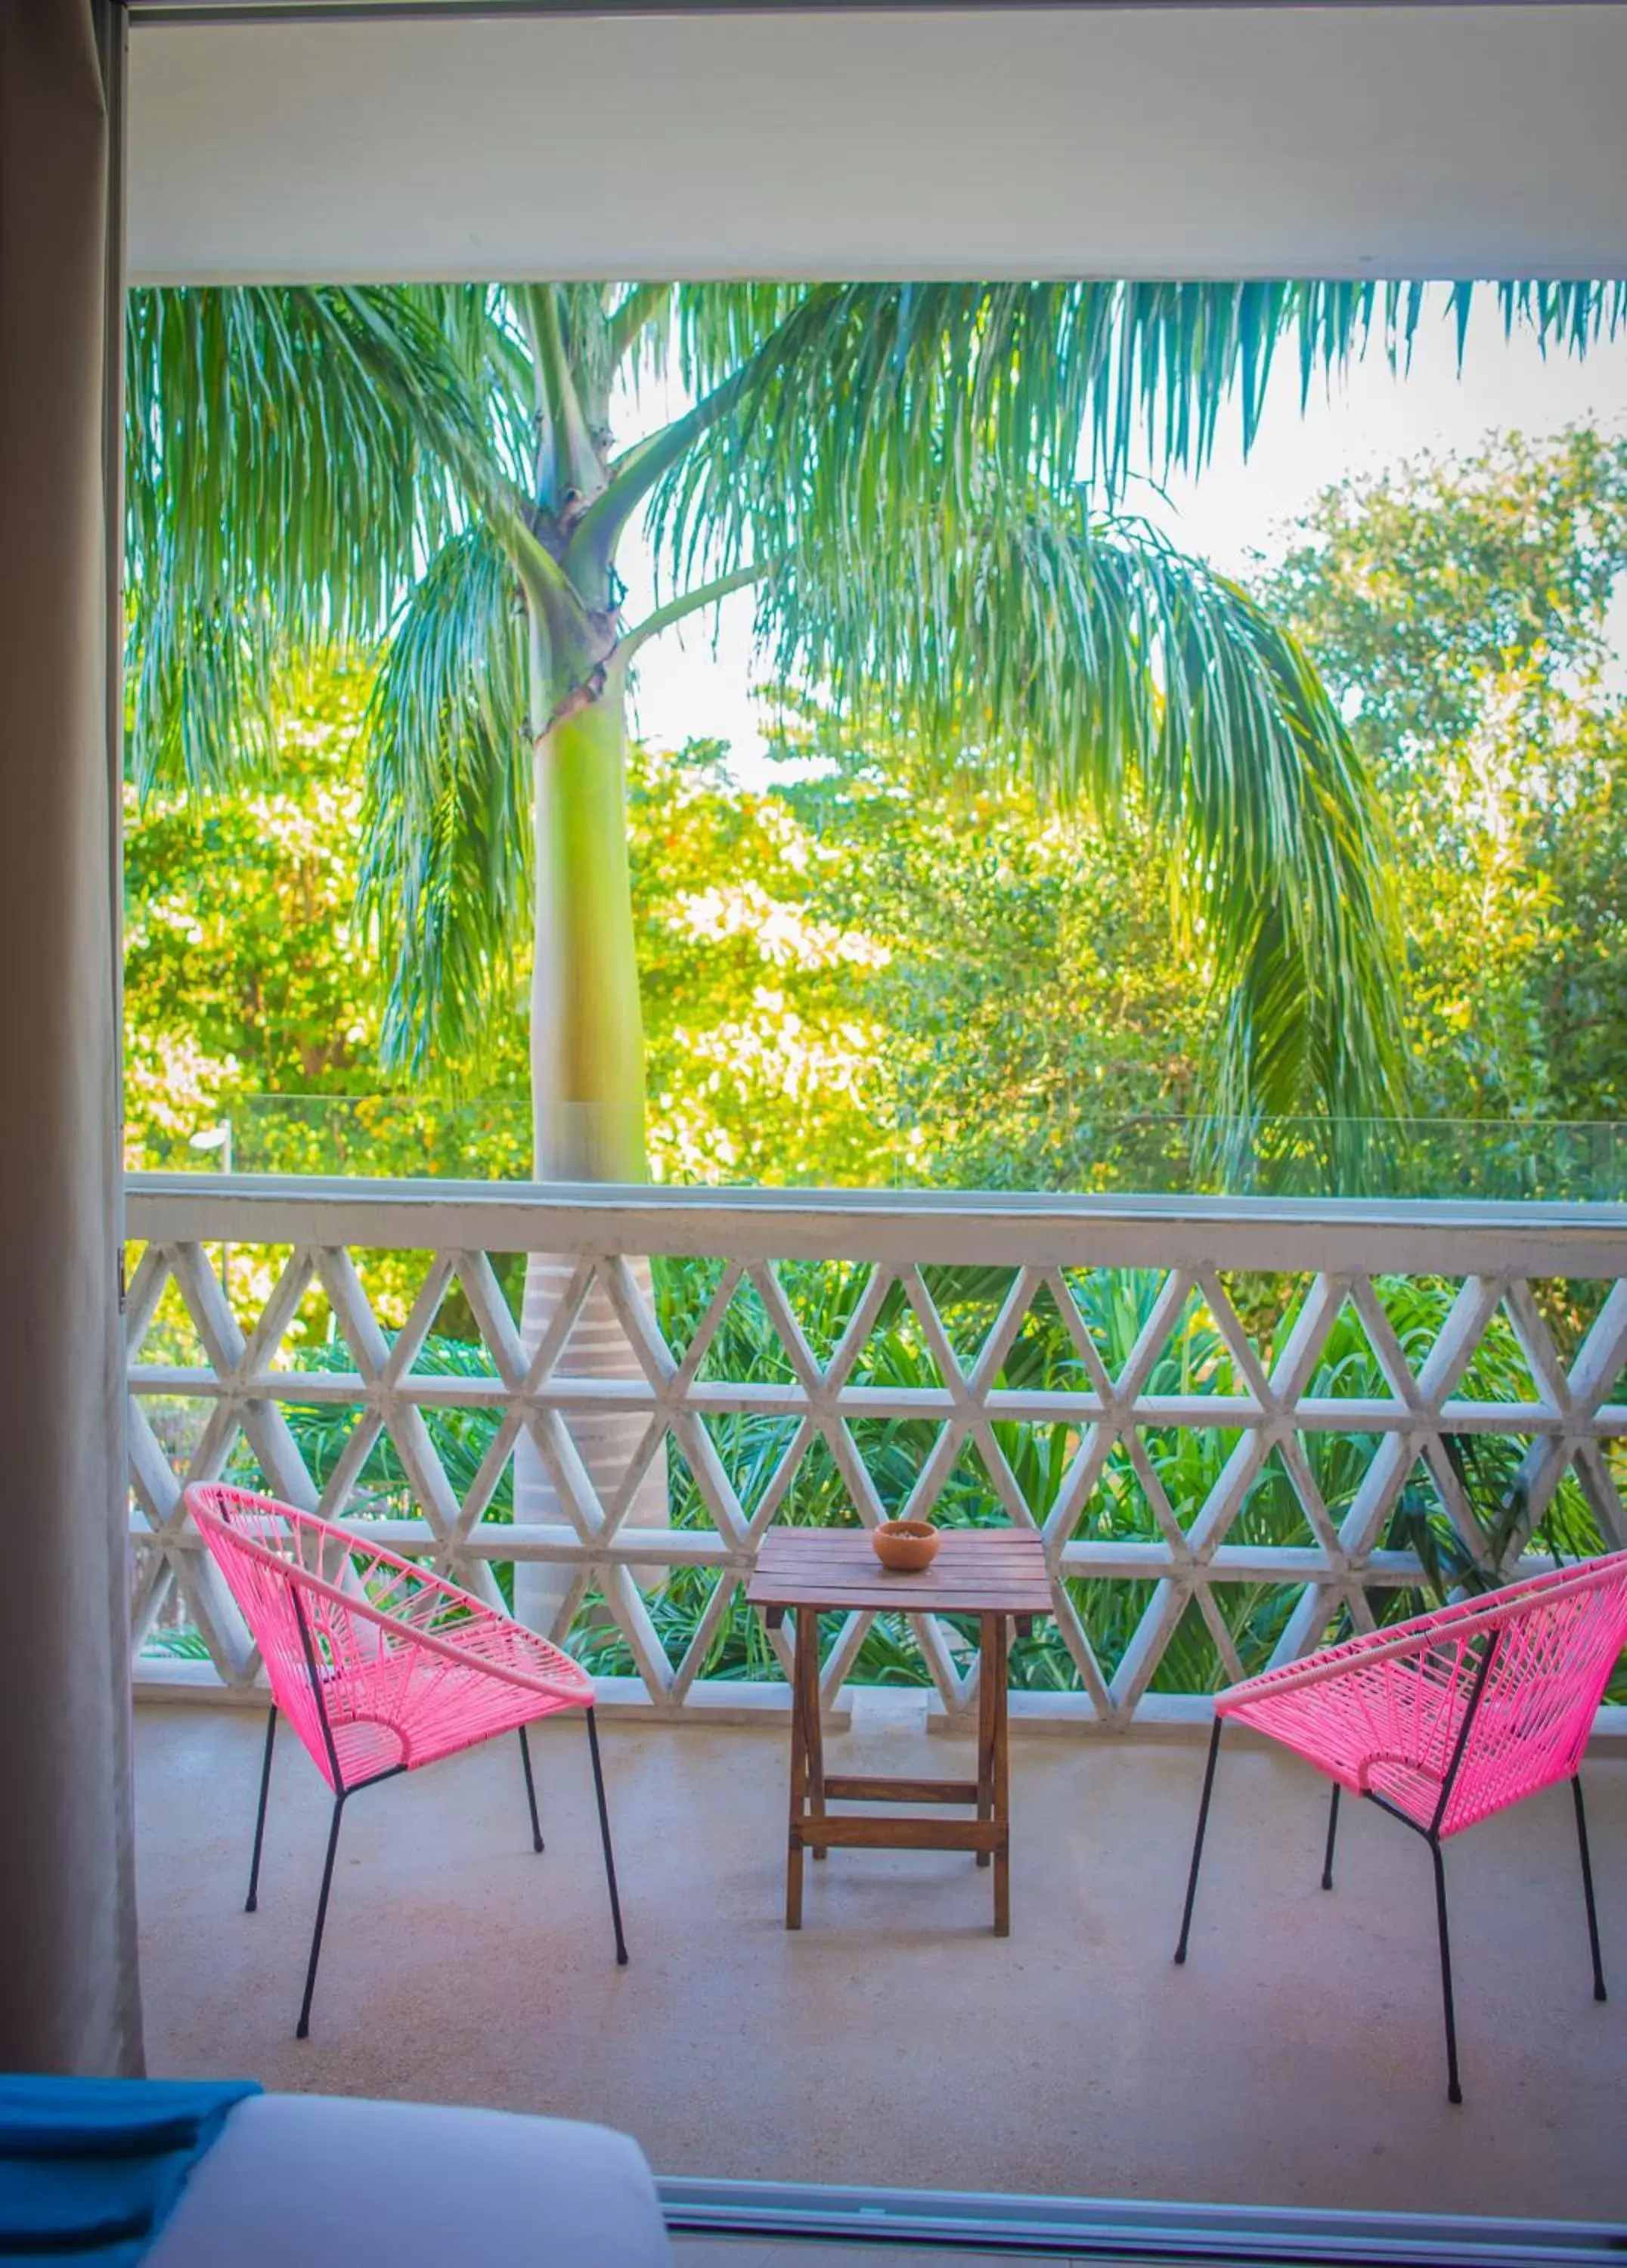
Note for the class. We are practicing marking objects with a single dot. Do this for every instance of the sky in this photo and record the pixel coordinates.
(698, 681)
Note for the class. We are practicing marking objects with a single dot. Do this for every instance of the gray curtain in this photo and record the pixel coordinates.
(68, 1997)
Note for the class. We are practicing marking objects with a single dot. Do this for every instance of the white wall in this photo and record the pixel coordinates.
(1403, 140)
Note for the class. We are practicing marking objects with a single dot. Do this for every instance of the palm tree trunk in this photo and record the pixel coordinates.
(586, 1031)
(587, 1098)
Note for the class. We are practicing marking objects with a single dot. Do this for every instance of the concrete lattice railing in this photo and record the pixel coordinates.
(1496, 1259)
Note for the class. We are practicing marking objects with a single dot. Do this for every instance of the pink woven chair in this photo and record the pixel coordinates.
(1442, 1720)
(381, 1666)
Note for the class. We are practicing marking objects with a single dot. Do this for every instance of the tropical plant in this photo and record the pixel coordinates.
(1460, 609)
(847, 979)
(897, 468)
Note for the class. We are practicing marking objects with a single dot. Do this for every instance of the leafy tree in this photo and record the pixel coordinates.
(846, 979)
(898, 968)
(1037, 980)
(247, 976)
(240, 958)
(1460, 610)
(894, 467)
(764, 1002)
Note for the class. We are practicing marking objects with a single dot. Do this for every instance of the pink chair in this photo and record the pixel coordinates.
(1444, 1719)
(381, 1666)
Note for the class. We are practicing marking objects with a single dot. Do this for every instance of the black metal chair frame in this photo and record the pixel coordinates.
(341, 1795)
(1431, 1835)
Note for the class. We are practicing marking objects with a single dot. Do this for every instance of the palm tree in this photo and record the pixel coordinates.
(925, 485)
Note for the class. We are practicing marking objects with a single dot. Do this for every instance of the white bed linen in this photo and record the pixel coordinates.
(314, 2181)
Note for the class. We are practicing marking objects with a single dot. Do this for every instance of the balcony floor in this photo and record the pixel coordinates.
(1296, 2060)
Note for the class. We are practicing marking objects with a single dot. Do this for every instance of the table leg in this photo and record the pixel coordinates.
(987, 1626)
(814, 1730)
(806, 1625)
(1002, 1785)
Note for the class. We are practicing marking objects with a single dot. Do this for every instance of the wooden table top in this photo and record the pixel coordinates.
(978, 1571)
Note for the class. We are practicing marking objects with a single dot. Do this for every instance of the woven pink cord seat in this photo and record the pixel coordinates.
(1446, 1718)
(380, 1665)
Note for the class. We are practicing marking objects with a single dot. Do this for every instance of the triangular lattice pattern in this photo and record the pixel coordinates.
(1098, 1453)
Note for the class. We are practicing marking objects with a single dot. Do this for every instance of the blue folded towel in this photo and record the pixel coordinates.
(90, 2168)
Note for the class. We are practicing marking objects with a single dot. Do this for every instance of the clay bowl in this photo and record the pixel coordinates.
(905, 1545)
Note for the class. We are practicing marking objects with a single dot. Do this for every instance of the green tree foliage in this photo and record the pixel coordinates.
(245, 972)
(1460, 610)
(851, 981)
(1038, 979)
(924, 484)
(847, 980)
(254, 991)
(891, 966)
(760, 999)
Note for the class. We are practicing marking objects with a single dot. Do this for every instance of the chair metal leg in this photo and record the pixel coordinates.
(1454, 2092)
(302, 2029)
(260, 1817)
(1588, 1888)
(1333, 1829)
(1197, 1845)
(531, 1790)
(604, 1830)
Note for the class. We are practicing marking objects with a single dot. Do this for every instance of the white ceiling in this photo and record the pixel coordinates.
(1406, 140)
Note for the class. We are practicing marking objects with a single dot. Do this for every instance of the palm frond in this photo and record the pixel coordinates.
(291, 454)
(703, 333)
(857, 392)
(587, 331)
(1286, 844)
(446, 857)
(201, 682)
(487, 344)
(637, 321)
(1089, 657)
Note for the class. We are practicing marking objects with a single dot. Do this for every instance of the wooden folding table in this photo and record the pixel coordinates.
(998, 1574)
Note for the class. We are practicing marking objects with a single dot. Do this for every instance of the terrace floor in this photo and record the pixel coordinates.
(1297, 2059)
